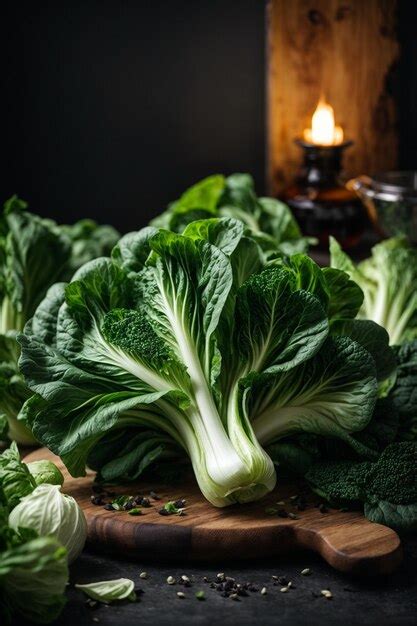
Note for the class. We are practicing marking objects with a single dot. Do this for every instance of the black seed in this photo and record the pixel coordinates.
(145, 502)
(91, 604)
(154, 495)
(282, 513)
(282, 581)
(109, 507)
(128, 506)
(97, 500)
(163, 511)
(323, 508)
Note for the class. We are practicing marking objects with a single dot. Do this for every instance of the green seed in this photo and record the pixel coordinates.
(200, 595)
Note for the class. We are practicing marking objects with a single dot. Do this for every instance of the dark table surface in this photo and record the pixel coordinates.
(388, 600)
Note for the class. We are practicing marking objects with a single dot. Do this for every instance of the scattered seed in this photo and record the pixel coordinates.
(326, 593)
(306, 571)
(180, 594)
(95, 619)
(293, 516)
(91, 604)
(185, 579)
(264, 591)
(143, 575)
(284, 589)
(234, 596)
(163, 511)
(292, 498)
(200, 595)
(109, 507)
(154, 495)
(171, 580)
(289, 585)
(97, 500)
(281, 503)
(145, 502)
(220, 576)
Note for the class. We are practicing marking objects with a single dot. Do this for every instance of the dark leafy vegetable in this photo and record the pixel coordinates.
(268, 221)
(178, 343)
(34, 254)
(387, 487)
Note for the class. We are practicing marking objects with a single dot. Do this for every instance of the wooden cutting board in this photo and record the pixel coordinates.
(346, 540)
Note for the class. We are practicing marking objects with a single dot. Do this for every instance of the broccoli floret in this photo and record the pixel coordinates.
(339, 481)
(394, 476)
(387, 487)
(131, 331)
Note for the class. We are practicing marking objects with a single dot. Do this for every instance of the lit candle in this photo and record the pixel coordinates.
(323, 131)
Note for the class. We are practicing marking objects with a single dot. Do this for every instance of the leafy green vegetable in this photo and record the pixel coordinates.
(107, 591)
(387, 487)
(45, 472)
(34, 254)
(389, 282)
(89, 241)
(33, 577)
(15, 479)
(179, 344)
(51, 513)
(268, 221)
(404, 390)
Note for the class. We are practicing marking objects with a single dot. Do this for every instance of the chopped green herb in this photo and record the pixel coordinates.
(200, 595)
(120, 503)
(135, 511)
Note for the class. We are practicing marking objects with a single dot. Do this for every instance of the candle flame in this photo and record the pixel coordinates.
(323, 131)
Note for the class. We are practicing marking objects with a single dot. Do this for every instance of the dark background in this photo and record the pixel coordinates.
(112, 108)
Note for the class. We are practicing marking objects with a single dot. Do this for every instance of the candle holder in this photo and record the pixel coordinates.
(321, 203)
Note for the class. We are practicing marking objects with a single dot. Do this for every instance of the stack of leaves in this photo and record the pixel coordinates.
(198, 343)
(267, 220)
(34, 254)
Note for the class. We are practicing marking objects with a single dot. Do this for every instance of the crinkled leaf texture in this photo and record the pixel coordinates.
(33, 577)
(388, 279)
(184, 342)
(404, 390)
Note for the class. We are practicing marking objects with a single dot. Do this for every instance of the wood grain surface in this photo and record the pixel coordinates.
(346, 51)
(346, 540)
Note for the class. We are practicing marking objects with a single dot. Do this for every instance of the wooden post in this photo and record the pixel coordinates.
(346, 51)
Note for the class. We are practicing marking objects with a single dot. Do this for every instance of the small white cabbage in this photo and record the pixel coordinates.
(50, 512)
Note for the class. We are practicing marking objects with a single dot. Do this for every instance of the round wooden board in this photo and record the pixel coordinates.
(346, 540)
